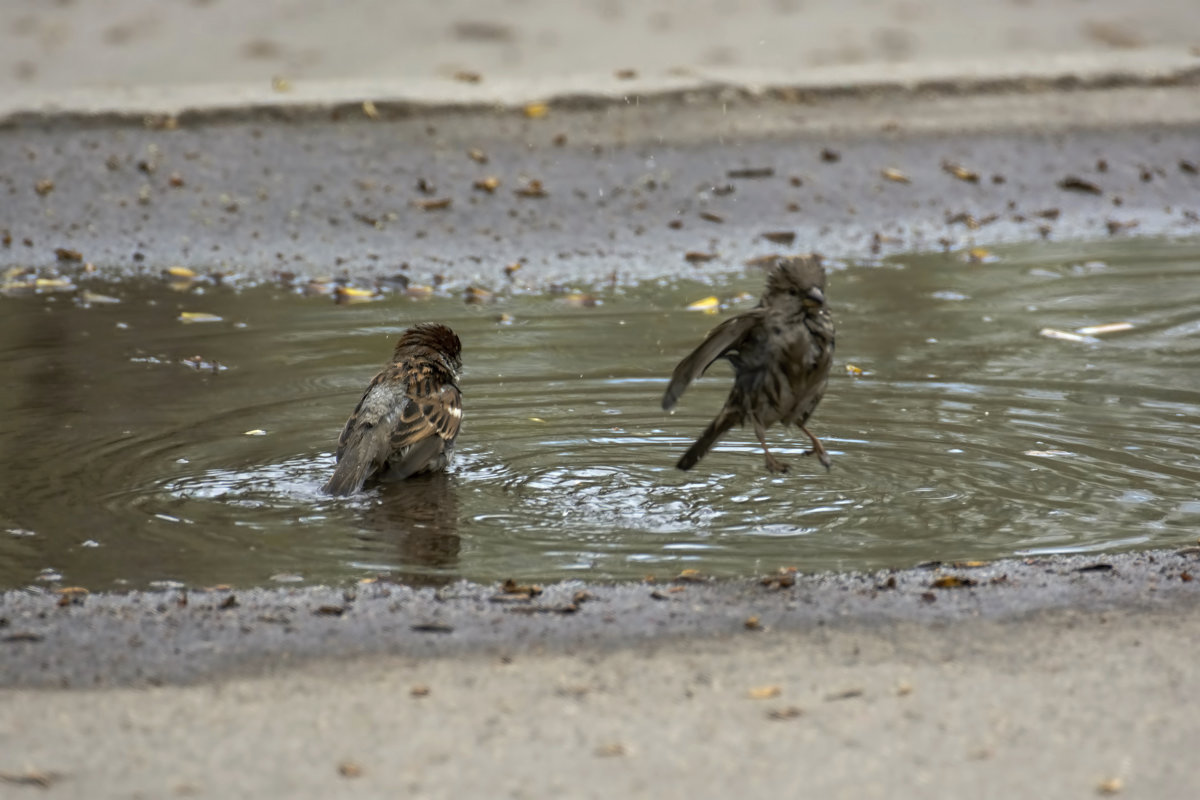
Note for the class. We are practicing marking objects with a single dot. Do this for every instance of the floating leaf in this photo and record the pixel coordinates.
(536, 110)
(894, 175)
(179, 272)
(351, 294)
(709, 305)
(198, 316)
(370, 110)
(856, 371)
(765, 692)
(255, 432)
(91, 298)
(581, 300)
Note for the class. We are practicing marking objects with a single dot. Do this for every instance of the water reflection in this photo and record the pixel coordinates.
(415, 524)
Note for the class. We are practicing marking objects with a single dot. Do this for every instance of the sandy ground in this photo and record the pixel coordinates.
(1051, 682)
(1066, 704)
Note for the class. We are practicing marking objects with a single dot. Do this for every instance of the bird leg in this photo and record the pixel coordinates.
(773, 464)
(818, 448)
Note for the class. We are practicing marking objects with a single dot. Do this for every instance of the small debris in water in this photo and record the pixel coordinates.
(855, 371)
(1098, 330)
(764, 692)
(1066, 336)
(255, 432)
(894, 175)
(696, 257)
(709, 305)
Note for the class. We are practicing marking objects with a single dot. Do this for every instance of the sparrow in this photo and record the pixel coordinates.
(781, 351)
(409, 417)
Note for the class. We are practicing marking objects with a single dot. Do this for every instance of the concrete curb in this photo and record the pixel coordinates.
(169, 106)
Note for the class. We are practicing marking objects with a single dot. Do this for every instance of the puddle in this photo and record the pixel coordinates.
(969, 435)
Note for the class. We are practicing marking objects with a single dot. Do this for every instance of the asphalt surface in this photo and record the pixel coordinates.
(589, 196)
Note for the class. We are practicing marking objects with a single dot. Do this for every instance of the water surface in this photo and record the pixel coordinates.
(967, 436)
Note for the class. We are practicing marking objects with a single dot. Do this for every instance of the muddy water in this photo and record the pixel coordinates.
(968, 435)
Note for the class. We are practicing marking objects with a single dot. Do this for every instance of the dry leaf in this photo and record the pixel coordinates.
(532, 188)
(709, 305)
(536, 110)
(780, 237)
(960, 172)
(1076, 184)
(435, 204)
(851, 369)
(370, 110)
(179, 272)
(895, 175)
(952, 582)
(765, 692)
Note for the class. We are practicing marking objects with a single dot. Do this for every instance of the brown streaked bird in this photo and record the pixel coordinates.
(409, 417)
(781, 351)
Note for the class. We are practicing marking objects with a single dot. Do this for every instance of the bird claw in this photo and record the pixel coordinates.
(822, 456)
(775, 465)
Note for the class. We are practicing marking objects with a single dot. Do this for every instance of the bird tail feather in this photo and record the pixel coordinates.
(715, 430)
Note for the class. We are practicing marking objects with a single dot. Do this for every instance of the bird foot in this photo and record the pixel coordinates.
(822, 456)
(775, 465)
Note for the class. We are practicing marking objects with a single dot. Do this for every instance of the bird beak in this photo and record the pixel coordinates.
(815, 296)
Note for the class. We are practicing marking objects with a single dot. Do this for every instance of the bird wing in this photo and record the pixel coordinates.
(719, 341)
(426, 427)
(365, 441)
